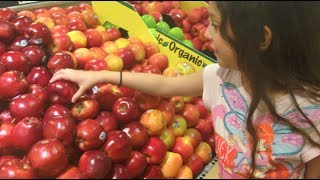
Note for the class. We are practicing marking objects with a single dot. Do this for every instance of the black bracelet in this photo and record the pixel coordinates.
(120, 79)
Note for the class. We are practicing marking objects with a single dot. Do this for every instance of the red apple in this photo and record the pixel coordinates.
(118, 146)
(107, 121)
(191, 113)
(26, 133)
(119, 171)
(94, 38)
(38, 33)
(55, 111)
(85, 109)
(95, 164)
(60, 19)
(155, 6)
(177, 102)
(39, 92)
(204, 128)
(75, 15)
(172, 71)
(205, 22)
(84, 6)
(125, 110)
(197, 44)
(136, 68)
(127, 57)
(21, 23)
(60, 29)
(167, 110)
(211, 141)
(203, 111)
(46, 21)
(151, 48)
(12, 83)
(186, 25)
(72, 173)
(109, 47)
(113, 34)
(48, 157)
(60, 60)
(153, 172)
(157, 16)
(18, 43)
(196, 164)
(61, 91)
(90, 18)
(3, 48)
(194, 136)
(28, 14)
(78, 39)
(41, 13)
(7, 14)
(56, 10)
(155, 150)
(70, 9)
(7, 32)
(187, 36)
(140, 9)
(83, 55)
(77, 25)
(205, 12)
(106, 95)
(204, 151)
(183, 147)
(177, 15)
(35, 54)
(167, 6)
(2, 69)
(39, 75)
(137, 133)
(127, 92)
(14, 60)
(61, 42)
(5, 117)
(202, 35)
(195, 15)
(98, 53)
(96, 65)
(136, 164)
(138, 51)
(159, 60)
(146, 101)
(27, 105)
(195, 29)
(89, 135)
(6, 146)
(62, 128)
(207, 46)
(17, 169)
(5, 158)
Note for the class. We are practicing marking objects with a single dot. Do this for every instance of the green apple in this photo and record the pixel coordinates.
(177, 33)
(163, 26)
(188, 43)
(109, 25)
(149, 21)
(153, 32)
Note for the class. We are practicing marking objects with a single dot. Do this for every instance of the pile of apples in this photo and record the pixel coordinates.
(110, 132)
(193, 23)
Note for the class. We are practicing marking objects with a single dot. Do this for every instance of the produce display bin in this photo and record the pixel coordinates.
(139, 29)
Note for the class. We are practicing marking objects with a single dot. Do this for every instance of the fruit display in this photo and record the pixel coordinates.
(189, 27)
(110, 132)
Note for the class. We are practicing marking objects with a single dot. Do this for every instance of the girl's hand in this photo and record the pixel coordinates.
(84, 79)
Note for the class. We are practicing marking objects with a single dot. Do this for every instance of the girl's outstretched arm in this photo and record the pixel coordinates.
(154, 84)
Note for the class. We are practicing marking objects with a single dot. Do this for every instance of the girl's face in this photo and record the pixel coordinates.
(225, 54)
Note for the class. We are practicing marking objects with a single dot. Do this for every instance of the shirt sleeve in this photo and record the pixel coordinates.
(309, 152)
(210, 81)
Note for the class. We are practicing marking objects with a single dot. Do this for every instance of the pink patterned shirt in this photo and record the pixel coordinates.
(281, 151)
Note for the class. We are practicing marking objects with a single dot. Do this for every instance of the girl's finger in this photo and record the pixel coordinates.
(77, 95)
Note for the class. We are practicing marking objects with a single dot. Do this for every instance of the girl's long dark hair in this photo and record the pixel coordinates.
(290, 64)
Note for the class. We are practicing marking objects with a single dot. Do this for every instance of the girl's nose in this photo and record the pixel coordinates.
(207, 34)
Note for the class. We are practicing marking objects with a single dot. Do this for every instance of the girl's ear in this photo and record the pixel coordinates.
(267, 38)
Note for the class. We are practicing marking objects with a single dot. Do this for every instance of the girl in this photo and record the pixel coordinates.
(263, 93)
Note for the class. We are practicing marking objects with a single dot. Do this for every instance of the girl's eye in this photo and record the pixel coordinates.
(215, 26)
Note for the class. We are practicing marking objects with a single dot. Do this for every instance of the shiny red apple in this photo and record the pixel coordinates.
(137, 134)
(118, 146)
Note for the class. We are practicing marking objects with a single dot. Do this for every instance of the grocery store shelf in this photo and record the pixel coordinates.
(46, 4)
(209, 172)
